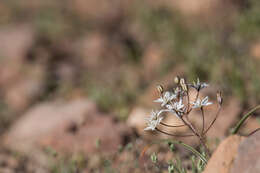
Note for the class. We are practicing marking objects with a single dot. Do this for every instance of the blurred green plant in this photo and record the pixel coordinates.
(63, 164)
(249, 22)
(117, 100)
(205, 51)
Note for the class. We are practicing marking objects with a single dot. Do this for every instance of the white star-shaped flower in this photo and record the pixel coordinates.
(179, 105)
(153, 120)
(199, 104)
(166, 98)
(176, 106)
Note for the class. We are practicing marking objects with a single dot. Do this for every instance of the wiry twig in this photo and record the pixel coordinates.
(211, 124)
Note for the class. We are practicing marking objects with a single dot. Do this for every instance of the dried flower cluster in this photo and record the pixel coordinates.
(177, 102)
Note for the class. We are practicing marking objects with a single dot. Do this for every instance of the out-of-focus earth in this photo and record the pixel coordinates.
(78, 78)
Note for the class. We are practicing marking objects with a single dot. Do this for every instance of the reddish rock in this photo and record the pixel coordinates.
(15, 41)
(136, 120)
(248, 157)
(66, 127)
(223, 157)
(19, 82)
(73, 137)
(22, 92)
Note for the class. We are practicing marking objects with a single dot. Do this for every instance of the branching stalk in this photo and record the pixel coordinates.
(197, 134)
(203, 121)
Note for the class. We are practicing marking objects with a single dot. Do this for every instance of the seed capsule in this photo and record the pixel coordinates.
(160, 89)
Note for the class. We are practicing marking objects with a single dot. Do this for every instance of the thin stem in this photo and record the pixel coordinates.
(213, 120)
(197, 134)
(175, 135)
(203, 120)
(239, 124)
(188, 99)
(197, 95)
(171, 125)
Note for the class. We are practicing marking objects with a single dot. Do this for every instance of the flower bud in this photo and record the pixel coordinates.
(160, 89)
(183, 84)
(177, 79)
(219, 98)
(154, 158)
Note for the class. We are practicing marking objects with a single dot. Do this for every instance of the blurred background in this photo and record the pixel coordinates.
(78, 77)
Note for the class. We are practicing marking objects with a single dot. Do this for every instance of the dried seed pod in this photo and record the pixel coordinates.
(160, 89)
(183, 84)
(219, 98)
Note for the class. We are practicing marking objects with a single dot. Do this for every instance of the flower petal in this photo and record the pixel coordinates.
(159, 100)
(148, 128)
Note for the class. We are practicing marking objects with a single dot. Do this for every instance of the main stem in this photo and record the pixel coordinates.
(202, 140)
